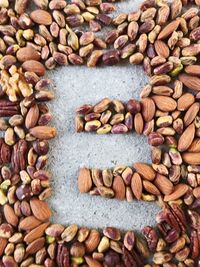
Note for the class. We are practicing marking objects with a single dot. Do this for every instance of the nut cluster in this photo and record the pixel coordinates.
(165, 39)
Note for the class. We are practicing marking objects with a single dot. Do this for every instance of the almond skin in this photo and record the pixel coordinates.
(41, 17)
(169, 29)
(92, 241)
(191, 114)
(161, 49)
(148, 109)
(92, 263)
(179, 191)
(163, 184)
(35, 246)
(10, 215)
(186, 138)
(193, 70)
(136, 185)
(190, 81)
(84, 180)
(185, 101)
(3, 243)
(165, 103)
(191, 158)
(27, 53)
(145, 170)
(151, 188)
(195, 146)
(40, 209)
(43, 132)
(196, 192)
(36, 233)
(119, 188)
(34, 66)
(29, 223)
(32, 117)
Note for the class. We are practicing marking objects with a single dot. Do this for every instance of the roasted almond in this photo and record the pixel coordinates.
(179, 191)
(185, 101)
(32, 116)
(191, 158)
(3, 243)
(191, 114)
(165, 103)
(193, 70)
(119, 188)
(43, 132)
(34, 66)
(35, 246)
(196, 192)
(186, 138)
(195, 146)
(27, 53)
(92, 241)
(148, 109)
(40, 209)
(138, 123)
(151, 188)
(136, 185)
(168, 30)
(10, 215)
(145, 170)
(163, 184)
(84, 180)
(190, 81)
(36, 233)
(29, 223)
(41, 17)
(162, 49)
(92, 262)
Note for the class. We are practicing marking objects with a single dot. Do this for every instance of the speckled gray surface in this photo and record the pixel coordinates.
(75, 86)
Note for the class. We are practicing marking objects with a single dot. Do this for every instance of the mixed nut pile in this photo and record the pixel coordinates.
(165, 39)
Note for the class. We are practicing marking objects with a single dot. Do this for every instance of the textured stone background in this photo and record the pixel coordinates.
(75, 86)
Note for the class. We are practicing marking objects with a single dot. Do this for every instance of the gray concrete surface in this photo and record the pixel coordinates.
(75, 86)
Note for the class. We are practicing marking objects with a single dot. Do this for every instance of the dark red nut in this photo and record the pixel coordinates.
(155, 139)
(133, 106)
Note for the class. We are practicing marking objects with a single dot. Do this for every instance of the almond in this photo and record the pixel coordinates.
(138, 123)
(186, 138)
(43, 132)
(92, 262)
(163, 184)
(136, 185)
(190, 81)
(162, 49)
(191, 158)
(169, 29)
(119, 188)
(32, 116)
(151, 188)
(40, 209)
(84, 180)
(29, 223)
(193, 70)
(165, 103)
(41, 17)
(34, 66)
(196, 192)
(148, 109)
(10, 215)
(92, 241)
(35, 246)
(36, 233)
(3, 243)
(179, 191)
(191, 114)
(27, 53)
(185, 101)
(145, 170)
(195, 146)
